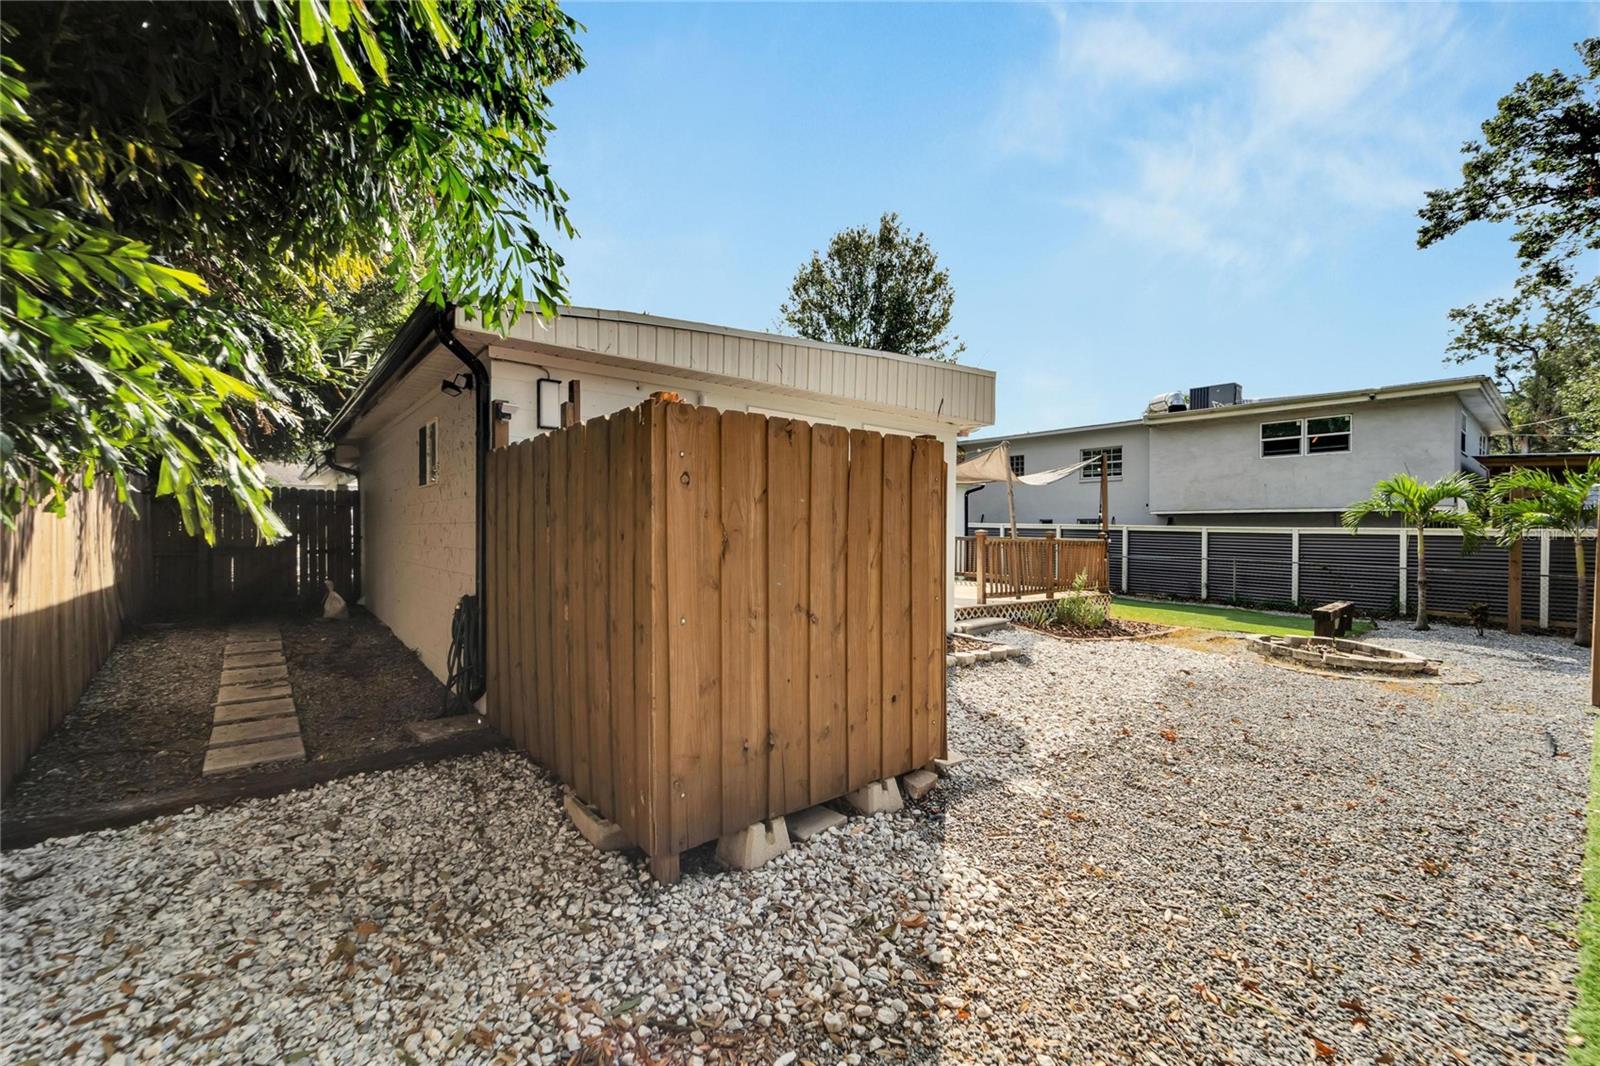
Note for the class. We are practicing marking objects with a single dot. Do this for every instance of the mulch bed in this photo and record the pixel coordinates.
(955, 642)
(1111, 628)
(355, 685)
(142, 726)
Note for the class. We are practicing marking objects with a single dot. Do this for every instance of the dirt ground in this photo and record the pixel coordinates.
(142, 726)
(355, 685)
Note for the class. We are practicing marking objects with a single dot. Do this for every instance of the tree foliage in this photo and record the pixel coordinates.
(1526, 500)
(208, 207)
(883, 290)
(1537, 169)
(1452, 502)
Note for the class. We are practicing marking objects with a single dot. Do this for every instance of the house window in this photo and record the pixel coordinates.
(1330, 434)
(1280, 438)
(1017, 466)
(1113, 461)
(1463, 433)
(428, 453)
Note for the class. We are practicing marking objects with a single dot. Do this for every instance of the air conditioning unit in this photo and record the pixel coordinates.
(1225, 395)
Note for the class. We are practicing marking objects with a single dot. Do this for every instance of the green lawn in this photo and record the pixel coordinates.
(1207, 616)
(1586, 1015)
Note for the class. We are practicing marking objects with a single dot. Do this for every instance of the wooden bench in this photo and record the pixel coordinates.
(1333, 619)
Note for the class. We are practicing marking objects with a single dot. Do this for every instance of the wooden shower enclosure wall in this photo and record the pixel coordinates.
(701, 619)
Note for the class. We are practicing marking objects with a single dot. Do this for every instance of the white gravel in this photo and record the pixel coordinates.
(1167, 852)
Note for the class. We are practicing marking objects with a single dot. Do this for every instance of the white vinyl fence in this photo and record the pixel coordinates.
(1375, 568)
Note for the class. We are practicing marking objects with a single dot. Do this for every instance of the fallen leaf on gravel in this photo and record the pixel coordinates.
(1323, 1050)
(366, 927)
(1170, 735)
(92, 1016)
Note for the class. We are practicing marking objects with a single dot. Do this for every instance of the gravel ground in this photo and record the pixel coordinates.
(1156, 853)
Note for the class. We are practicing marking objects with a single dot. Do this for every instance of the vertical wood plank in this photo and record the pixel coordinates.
(927, 627)
(543, 698)
(491, 592)
(788, 589)
(527, 737)
(896, 751)
(560, 602)
(830, 458)
(578, 605)
(597, 645)
(694, 547)
(864, 610)
(656, 692)
(623, 496)
(744, 619)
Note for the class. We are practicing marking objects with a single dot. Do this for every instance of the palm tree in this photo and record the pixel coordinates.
(1420, 505)
(1528, 499)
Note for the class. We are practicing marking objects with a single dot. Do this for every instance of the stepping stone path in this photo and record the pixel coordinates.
(255, 720)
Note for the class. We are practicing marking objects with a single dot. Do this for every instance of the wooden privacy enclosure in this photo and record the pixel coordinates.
(703, 619)
(71, 582)
(242, 572)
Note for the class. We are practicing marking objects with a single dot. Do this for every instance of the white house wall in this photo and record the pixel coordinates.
(1215, 465)
(418, 548)
(1073, 499)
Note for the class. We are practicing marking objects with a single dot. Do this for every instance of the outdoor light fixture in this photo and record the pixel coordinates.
(547, 409)
(456, 385)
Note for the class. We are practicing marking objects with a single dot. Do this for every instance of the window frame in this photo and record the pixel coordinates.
(1018, 463)
(1114, 466)
(428, 453)
(1303, 439)
(1348, 433)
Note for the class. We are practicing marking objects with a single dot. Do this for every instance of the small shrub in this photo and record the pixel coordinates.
(1081, 609)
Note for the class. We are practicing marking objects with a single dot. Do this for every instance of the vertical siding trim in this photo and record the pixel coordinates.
(1205, 560)
(1544, 580)
(1294, 565)
(1404, 580)
(1124, 559)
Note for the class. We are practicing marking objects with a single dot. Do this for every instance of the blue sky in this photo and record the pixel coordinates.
(1129, 199)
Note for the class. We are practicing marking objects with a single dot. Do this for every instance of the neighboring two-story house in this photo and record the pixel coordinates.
(1212, 458)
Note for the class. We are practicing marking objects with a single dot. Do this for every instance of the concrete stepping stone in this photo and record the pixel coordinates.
(803, 825)
(249, 659)
(261, 729)
(244, 712)
(252, 690)
(254, 673)
(240, 756)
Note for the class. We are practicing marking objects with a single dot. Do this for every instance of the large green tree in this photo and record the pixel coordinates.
(1537, 169)
(1526, 500)
(206, 208)
(881, 289)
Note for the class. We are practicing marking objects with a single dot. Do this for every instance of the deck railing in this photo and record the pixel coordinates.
(1013, 567)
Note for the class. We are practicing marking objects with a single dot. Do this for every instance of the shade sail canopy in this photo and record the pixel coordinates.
(995, 465)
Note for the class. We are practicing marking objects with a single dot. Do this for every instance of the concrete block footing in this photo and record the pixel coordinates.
(919, 783)
(754, 845)
(943, 766)
(803, 825)
(879, 797)
(607, 836)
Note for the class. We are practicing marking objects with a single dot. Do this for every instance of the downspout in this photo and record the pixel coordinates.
(444, 327)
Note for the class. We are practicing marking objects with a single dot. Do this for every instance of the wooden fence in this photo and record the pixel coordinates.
(1013, 567)
(704, 619)
(241, 572)
(70, 585)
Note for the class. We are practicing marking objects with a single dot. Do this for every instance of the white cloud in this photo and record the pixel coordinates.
(1245, 143)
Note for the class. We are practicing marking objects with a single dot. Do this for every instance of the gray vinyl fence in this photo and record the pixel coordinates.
(1375, 568)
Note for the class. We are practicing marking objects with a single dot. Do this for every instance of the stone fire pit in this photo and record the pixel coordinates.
(1339, 653)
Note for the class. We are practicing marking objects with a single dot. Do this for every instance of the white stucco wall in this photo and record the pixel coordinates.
(417, 540)
(1216, 465)
(1072, 499)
